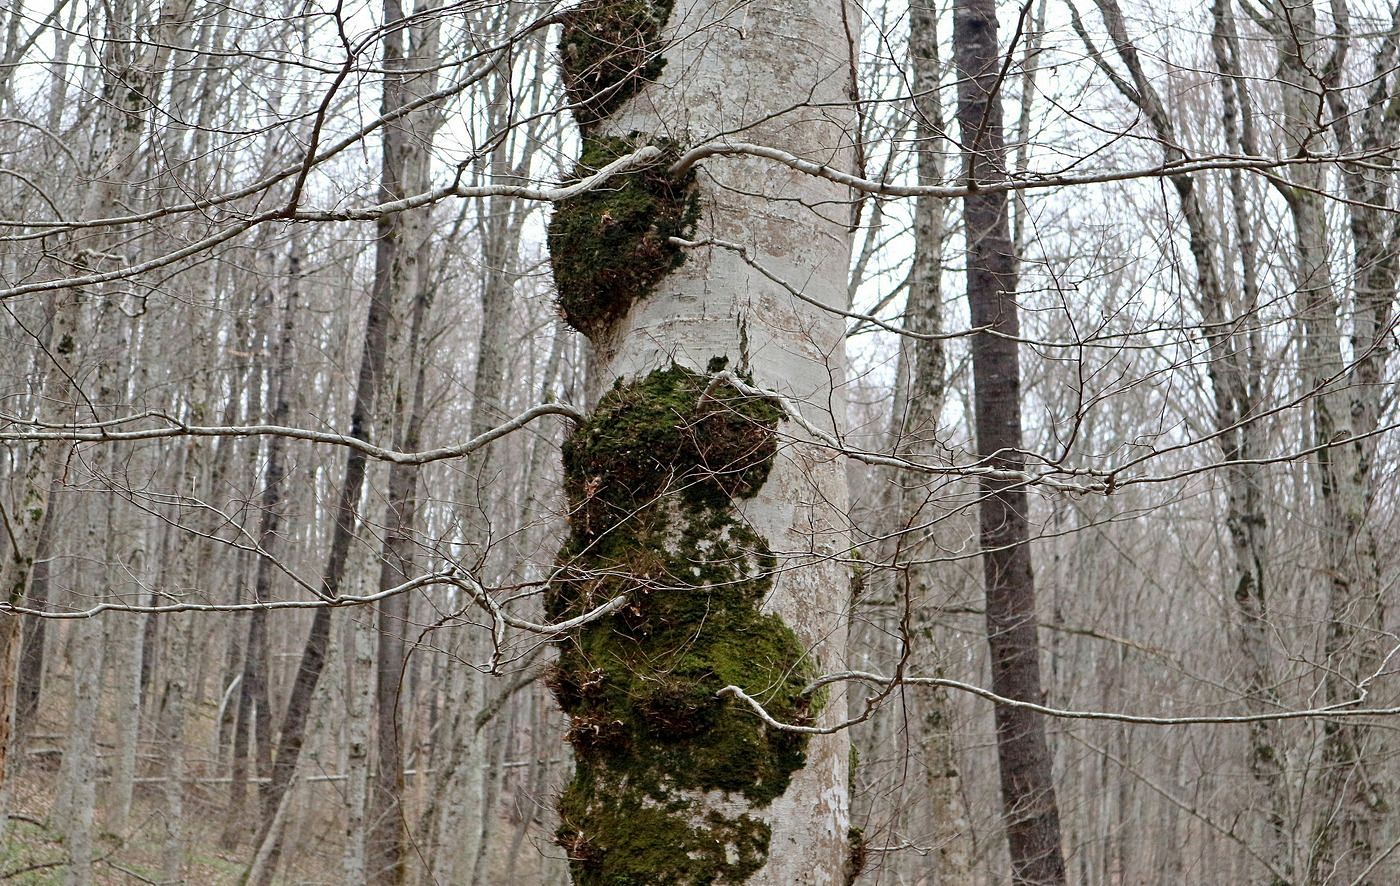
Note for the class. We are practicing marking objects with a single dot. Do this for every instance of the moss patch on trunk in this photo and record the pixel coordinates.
(609, 246)
(608, 51)
(652, 479)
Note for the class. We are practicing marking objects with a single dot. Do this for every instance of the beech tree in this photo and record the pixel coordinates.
(691, 498)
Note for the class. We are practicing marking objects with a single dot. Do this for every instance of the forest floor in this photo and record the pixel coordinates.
(33, 851)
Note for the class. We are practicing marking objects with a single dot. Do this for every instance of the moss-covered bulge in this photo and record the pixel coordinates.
(651, 480)
(609, 50)
(610, 246)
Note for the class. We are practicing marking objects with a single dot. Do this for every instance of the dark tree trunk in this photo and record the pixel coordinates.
(313, 656)
(1027, 786)
(362, 420)
(255, 707)
(31, 657)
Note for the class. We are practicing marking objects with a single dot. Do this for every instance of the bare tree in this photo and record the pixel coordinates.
(1028, 793)
(328, 560)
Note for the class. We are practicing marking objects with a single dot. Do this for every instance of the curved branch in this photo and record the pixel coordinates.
(99, 434)
(1050, 180)
(1346, 709)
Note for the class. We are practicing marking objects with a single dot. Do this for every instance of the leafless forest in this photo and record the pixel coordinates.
(699, 442)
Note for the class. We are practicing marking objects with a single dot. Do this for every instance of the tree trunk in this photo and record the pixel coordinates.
(1237, 383)
(1350, 832)
(26, 525)
(930, 722)
(680, 495)
(387, 820)
(254, 707)
(31, 664)
(124, 667)
(127, 85)
(387, 823)
(1233, 373)
(398, 150)
(179, 650)
(1027, 778)
(204, 469)
(359, 700)
(79, 772)
(461, 826)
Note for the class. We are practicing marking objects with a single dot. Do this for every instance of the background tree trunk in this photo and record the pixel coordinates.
(365, 421)
(1027, 778)
(931, 723)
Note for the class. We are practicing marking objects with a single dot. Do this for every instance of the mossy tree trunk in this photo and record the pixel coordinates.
(717, 519)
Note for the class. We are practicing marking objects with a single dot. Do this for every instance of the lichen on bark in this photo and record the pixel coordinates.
(652, 481)
(610, 245)
(610, 49)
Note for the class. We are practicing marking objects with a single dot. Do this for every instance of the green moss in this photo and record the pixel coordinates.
(610, 246)
(608, 51)
(650, 841)
(859, 571)
(656, 436)
(651, 481)
(855, 861)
